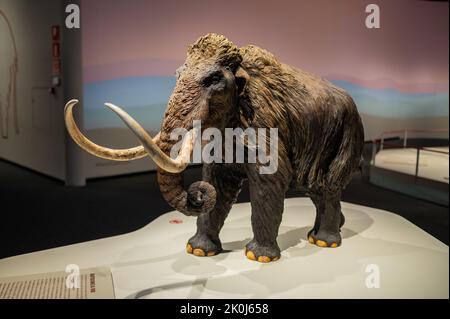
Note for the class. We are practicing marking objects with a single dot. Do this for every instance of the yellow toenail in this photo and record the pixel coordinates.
(189, 249)
(264, 259)
(275, 258)
(211, 253)
(334, 245)
(319, 243)
(250, 255)
(199, 252)
(311, 240)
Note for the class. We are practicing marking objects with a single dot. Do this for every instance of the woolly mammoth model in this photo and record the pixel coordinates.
(320, 141)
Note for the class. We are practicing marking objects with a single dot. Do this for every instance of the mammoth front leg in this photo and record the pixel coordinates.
(267, 194)
(329, 220)
(227, 180)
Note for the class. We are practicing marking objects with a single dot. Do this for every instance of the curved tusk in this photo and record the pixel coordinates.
(170, 165)
(97, 150)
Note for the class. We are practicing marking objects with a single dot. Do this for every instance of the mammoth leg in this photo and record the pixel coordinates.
(329, 220)
(320, 209)
(267, 194)
(227, 180)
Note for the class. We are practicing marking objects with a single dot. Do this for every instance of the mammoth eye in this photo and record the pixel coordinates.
(213, 78)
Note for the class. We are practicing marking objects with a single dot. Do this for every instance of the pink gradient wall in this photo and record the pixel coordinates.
(139, 37)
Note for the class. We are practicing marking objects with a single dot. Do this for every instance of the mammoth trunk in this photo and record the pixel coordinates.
(198, 199)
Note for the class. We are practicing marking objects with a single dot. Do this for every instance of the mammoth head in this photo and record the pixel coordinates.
(209, 85)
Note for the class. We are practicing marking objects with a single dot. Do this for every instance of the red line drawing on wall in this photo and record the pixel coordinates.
(9, 104)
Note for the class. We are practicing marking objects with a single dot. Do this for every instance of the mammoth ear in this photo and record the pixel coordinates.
(242, 79)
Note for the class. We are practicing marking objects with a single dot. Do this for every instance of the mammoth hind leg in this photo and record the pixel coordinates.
(227, 180)
(329, 220)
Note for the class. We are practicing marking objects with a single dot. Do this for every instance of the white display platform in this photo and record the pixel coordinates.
(432, 165)
(152, 262)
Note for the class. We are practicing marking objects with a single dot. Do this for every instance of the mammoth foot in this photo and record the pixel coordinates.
(324, 238)
(262, 253)
(201, 245)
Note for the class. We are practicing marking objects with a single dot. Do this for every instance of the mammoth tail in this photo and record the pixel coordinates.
(349, 155)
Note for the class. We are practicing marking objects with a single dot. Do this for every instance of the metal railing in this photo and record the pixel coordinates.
(380, 141)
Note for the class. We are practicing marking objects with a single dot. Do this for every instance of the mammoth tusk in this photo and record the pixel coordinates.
(97, 150)
(161, 159)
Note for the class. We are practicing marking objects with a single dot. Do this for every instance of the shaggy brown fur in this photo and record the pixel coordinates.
(318, 123)
(320, 142)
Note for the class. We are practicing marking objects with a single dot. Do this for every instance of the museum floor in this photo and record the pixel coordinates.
(40, 213)
(379, 250)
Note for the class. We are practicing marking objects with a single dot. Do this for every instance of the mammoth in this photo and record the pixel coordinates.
(319, 146)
